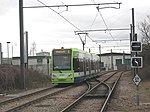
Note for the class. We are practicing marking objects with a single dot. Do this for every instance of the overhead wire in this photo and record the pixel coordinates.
(92, 26)
(65, 19)
(61, 1)
(104, 21)
(60, 15)
(94, 20)
(75, 25)
(105, 24)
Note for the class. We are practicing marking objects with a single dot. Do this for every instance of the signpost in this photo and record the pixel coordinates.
(136, 46)
(137, 79)
(136, 62)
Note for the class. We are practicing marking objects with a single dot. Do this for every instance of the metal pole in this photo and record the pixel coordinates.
(26, 49)
(131, 37)
(8, 52)
(133, 26)
(22, 67)
(137, 95)
(123, 57)
(12, 50)
(112, 67)
(135, 54)
(0, 53)
(89, 50)
(100, 55)
(83, 41)
(83, 45)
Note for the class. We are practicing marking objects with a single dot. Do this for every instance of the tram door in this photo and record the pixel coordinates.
(89, 62)
(84, 66)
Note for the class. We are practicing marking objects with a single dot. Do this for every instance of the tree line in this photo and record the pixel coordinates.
(144, 28)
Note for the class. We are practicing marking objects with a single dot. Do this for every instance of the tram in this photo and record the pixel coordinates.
(73, 65)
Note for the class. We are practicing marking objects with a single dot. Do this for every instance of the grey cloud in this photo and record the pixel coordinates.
(7, 5)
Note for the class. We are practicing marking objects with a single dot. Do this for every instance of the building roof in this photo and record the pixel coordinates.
(32, 57)
(114, 54)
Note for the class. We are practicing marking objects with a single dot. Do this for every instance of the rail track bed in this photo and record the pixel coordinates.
(75, 98)
(17, 103)
(98, 96)
(91, 98)
(58, 101)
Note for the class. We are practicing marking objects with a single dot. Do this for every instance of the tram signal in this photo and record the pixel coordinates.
(136, 46)
(136, 62)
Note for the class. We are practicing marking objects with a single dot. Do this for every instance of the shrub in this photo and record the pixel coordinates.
(10, 78)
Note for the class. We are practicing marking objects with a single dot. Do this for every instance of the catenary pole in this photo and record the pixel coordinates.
(135, 55)
(22, 67)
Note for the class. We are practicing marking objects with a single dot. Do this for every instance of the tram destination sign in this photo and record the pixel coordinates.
(62, 51)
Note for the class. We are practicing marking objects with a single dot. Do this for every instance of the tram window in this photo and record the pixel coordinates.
(91, 65)
(76, 64)
(87, 67)
(62, 62)
(81, 65)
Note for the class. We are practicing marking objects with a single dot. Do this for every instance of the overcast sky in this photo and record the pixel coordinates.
(49, 30)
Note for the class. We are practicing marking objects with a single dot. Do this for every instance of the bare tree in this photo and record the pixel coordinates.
(33, 49)
(144, 28)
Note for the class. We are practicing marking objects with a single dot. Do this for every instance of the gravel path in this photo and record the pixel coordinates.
(124, 99)
(57, 102)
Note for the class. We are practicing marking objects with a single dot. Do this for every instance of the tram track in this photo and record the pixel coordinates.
(103, 108)
(24, 96)
(98, 101)
(63, 98)
(55, 99)
(57, 102)
(28, 99)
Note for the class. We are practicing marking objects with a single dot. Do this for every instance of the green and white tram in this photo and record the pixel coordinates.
(73, 65)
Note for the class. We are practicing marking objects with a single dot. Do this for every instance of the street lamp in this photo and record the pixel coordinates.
(8, 51)
(8, 63)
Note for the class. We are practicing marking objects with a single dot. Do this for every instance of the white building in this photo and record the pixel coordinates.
(109, 61)
(40, 62)
(115, 61)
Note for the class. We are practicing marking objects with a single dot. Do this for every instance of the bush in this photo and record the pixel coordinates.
(36, 79)
(145, 73)
(10, 78)
(8, 73)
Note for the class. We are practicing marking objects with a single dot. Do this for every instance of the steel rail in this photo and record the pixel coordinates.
(110, 94)
(84, 95)
(78, 99)
(24, 96)
(36, 100)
